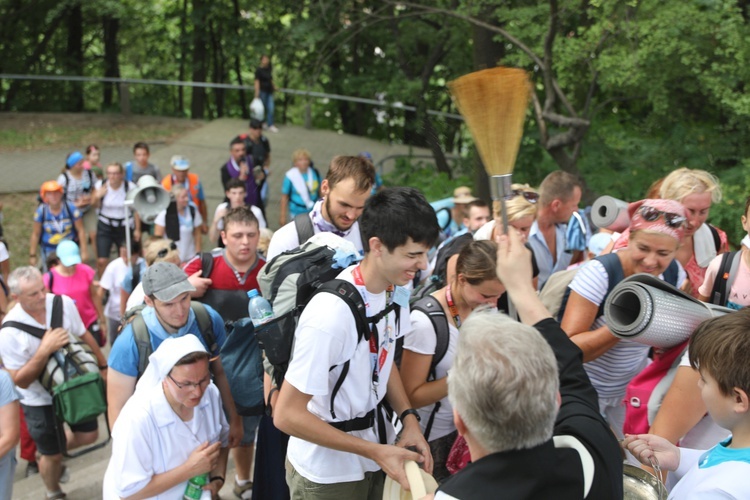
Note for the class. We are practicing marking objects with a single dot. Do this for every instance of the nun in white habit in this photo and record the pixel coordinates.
(173, 428)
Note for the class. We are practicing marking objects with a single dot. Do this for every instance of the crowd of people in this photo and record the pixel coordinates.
(464, 369)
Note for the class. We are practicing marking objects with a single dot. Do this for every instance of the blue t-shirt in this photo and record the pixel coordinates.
(296, 203)
(56, 228)
(124, 354)
(8, 394)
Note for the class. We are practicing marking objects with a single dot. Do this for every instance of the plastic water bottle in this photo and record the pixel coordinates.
(194, 489)
(259, 309)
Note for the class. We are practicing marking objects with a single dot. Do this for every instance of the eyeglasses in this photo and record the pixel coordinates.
(650, 214)
(164, 251)
(529, 196)
(189, 385)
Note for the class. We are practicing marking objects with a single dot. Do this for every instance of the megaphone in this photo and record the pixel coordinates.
(148, 199)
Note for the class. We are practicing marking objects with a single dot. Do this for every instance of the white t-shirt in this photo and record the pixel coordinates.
(726, 479)
(18, 347)
(149, 438)
(423, 340)
(611, 372)
(326, 336)
(112, 280)
(186, 245)
(4, 255)
(257, 212)
(114, 200)
(286, 238)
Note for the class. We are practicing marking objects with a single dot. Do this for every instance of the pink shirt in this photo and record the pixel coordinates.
(78, 288)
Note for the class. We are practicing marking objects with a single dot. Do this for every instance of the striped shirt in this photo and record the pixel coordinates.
(611, 372)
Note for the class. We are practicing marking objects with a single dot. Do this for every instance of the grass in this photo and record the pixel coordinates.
(35, 131)
(18, 213)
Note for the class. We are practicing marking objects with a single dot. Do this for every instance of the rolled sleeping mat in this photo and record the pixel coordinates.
(647, 310)
(610, 213)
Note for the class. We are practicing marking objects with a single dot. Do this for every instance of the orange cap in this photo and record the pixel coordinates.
(50, 187)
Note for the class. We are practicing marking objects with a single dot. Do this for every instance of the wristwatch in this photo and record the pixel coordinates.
(410, 411)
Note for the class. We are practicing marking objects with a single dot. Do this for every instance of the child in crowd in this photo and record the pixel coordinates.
(134, 170)
(92, 161)
(720, 350)
(736, 296)
(301, 187)
(235, 193)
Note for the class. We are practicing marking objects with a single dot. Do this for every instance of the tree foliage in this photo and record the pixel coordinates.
(625, 90)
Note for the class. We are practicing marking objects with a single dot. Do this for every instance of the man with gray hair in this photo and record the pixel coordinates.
(524, 404)
(25, 357)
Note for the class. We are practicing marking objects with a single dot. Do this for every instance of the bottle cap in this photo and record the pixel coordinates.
(252, 293)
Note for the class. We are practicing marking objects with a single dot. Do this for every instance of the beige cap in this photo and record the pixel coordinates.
(420, 483)
(462, 195)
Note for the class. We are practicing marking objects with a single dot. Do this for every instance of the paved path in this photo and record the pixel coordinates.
(208, 149)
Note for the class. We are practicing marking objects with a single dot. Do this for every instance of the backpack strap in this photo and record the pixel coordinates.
(31, 330)
(304, 226)
(142, 342)
(206, 327)
(671, 273)
(728, 268)
(350, 294)
(172, 222)
(56, 321)
(207, 264)
(717, 238)
(431, 307)
(135, 269)
(51, 280)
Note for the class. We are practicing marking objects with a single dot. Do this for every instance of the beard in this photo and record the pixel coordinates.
(327, 207)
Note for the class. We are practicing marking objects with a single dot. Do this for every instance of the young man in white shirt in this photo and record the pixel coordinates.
(335, 450)
(344, 192)
(25, 357)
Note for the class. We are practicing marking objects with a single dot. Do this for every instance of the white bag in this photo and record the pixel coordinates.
(257, 111)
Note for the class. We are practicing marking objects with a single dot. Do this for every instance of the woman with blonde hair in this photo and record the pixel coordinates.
(474, 284)
(521, 212)
(696, 190)
(656, 227)
(301, 188)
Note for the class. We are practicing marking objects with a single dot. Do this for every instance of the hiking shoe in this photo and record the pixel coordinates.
(64, 475)
(243, 492)
(32, 468)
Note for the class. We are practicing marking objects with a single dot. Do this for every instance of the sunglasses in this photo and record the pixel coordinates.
(650, 214)
(529, 196)
(164, 251)
(189, 385)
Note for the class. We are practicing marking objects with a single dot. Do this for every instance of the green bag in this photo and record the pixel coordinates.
(80, 399)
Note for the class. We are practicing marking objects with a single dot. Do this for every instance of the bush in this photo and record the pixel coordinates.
(424, 176)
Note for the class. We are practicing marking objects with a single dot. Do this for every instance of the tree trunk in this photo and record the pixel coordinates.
(111, 27)
(238, 62)
(487, 53)
(183, 57)
(200, 59)
(74, 59)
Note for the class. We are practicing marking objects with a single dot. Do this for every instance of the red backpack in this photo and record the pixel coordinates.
(646, 391)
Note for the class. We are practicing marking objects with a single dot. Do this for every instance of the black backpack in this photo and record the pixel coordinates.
(450, 248)
(230, 304)
(288, 282)
(727, 273)
(430, 306)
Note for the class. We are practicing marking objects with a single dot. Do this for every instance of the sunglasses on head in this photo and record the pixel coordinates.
(529, 196)
(650, 214)
(164, 251)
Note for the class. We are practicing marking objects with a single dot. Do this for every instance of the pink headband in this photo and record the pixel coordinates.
(660, 224)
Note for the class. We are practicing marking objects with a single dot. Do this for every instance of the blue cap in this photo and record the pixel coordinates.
(73, 158)
(68, 253)
(252, 293)
(366, 155)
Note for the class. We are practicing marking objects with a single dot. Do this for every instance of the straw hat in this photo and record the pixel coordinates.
(420, 483)
(462, 195)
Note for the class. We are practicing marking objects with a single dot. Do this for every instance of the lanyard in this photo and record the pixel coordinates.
(378, 354)
(452, 306)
